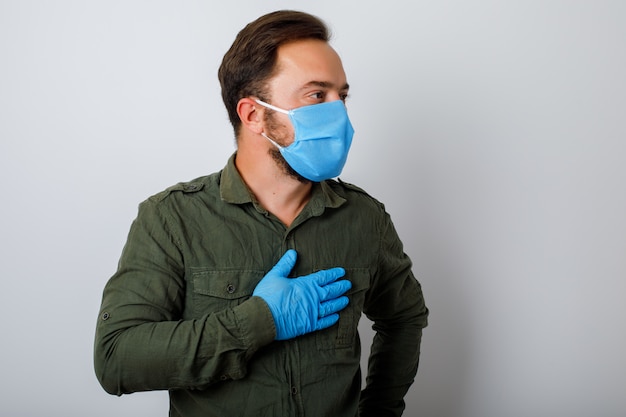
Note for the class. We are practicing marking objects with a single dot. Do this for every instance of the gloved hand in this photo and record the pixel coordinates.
(303, 304)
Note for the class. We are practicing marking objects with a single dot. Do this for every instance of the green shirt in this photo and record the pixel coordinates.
(178, 314)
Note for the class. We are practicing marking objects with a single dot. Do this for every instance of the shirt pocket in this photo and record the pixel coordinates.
(344, 333)
(216, 290)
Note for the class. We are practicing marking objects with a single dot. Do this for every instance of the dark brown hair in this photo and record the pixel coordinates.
(251, 59)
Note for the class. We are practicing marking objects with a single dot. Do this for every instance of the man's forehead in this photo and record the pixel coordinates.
(312, 62)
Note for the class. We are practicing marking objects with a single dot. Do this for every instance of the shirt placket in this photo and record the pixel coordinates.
(293, 346)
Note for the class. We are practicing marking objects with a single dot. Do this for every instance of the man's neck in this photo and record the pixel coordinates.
(279, 193)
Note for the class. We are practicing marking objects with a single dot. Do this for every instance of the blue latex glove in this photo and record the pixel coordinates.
(303, 304)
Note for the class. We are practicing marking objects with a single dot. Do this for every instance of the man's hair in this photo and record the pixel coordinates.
(251, 59)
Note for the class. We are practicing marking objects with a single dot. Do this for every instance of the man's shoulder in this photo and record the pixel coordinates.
(354, 193)
(206, 183)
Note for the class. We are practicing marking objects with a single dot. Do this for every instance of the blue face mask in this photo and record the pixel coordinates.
(323, 135)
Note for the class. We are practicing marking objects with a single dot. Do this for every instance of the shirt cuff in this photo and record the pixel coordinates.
(256, 322)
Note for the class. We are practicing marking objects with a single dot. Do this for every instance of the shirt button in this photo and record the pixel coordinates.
(294, 390)
(230, 288)
(224, 377)
(105, 316)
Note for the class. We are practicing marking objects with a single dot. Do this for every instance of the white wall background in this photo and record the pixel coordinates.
(494, 132)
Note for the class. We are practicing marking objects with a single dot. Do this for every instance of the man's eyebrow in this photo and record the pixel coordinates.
(324, 84)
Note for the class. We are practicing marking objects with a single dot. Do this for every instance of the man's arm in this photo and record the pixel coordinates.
(396, 306)
(142, 343)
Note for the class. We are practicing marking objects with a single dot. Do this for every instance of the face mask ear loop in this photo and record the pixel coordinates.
(278, 109)
(269, 106)
(273, 142)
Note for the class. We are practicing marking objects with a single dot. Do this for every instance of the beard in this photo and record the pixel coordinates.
(278, 133)
(285, 167)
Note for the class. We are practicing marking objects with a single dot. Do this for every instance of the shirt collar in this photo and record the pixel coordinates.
(233, 190)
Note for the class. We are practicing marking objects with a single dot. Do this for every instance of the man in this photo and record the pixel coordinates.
(241, 292)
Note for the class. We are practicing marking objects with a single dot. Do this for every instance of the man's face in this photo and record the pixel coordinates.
(308, 72)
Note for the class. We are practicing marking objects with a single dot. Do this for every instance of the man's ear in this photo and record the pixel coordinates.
(250, 114)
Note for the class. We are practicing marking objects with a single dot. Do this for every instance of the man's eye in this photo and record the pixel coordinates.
(317, 95)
